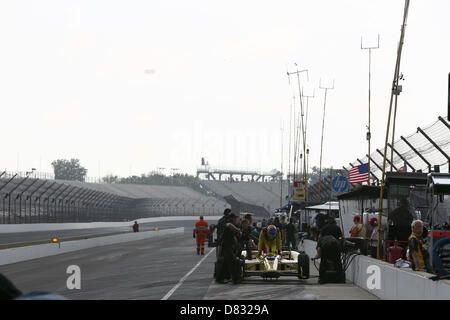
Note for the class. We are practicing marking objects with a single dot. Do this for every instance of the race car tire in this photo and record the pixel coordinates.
(303, 265)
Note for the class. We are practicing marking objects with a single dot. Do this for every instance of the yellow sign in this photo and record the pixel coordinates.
(300, 192)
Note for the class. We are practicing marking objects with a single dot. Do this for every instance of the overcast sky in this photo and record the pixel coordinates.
(130, 86)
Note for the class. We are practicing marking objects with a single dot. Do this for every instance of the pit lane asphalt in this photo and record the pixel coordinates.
(149, 269)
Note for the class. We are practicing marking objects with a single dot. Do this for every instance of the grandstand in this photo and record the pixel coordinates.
(33, 200)
(262, 194)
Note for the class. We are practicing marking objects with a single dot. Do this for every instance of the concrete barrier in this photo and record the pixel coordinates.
(395, 283)
(12, 228)
(13, 255)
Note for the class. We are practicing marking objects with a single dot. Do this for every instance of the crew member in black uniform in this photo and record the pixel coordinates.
(229, 248)
(246, 239)
(329, 252)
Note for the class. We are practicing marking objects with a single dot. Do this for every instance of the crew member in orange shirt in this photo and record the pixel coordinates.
(201, 230)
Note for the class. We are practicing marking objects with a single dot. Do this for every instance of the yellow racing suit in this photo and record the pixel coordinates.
(269, 246)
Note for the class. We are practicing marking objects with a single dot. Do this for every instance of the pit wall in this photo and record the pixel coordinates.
(13, 255)
(11, 228)
(395, 283)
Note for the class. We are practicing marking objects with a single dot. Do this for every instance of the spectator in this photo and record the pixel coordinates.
(358, 230)
(418, 256)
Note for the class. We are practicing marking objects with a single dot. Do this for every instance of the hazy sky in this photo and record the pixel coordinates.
(130, 86)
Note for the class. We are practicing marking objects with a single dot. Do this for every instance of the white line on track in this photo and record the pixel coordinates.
(168, 294)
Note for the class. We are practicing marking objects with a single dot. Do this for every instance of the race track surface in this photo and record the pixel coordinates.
(153, 268)
(34, 236)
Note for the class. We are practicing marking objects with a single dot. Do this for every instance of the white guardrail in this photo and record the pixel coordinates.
(393, 283)
(13, 255)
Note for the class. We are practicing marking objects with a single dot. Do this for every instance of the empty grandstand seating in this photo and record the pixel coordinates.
(32, 200)
(263, 194)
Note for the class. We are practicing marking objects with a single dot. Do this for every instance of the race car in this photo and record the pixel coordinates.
(289, 263)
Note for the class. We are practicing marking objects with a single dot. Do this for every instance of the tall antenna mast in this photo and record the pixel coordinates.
(369, 135)
(297, 72)
(304, 135)
(323, 124)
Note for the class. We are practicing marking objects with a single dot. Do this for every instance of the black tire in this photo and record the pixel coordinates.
(303, 265)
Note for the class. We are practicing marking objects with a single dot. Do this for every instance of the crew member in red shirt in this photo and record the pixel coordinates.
(201, 230)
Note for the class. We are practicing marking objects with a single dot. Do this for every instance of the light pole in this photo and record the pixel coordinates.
(323, 124)
(369, 136)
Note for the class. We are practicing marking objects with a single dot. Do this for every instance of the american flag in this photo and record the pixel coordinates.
(359, 174)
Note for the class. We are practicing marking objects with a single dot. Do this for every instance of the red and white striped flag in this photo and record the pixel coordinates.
(359, 174)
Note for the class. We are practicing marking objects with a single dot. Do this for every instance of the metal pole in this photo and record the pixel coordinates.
(393, 130)
(368, 127)
(305, 169)
(323, 125)
(394, 90)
